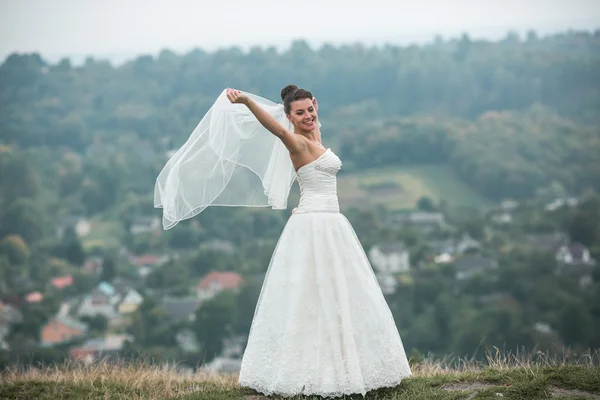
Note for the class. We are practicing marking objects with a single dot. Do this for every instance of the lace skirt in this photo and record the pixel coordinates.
(321, 325)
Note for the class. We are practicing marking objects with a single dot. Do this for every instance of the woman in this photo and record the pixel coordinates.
(321, 325)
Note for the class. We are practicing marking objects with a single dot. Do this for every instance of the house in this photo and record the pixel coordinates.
(80, 225)
(230, 359)
(146, 262)
(107, 346)
(390, 258)
(179, 309)
(216, 282)
(574, 259)
(444, 258)
(9, 315)
(503, 218)
(145, 224)
(547, 241)
(61, 282)
(426, 222)
(34, 297)
(223, 365)
(93, 265)
(467, 243)
(561, 202)
(130, 301)
(509, 205)
(443, 246)
(470, 265)
(387, 282)
(574, 254)
(101, 301)
(187, 341)
(62, 329)
(224, 246)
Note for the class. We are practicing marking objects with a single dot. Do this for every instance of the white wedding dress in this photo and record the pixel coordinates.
(321, 325)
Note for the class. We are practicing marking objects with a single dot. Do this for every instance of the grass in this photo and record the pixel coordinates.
(531, 376)
(400, 187)
(103, 234)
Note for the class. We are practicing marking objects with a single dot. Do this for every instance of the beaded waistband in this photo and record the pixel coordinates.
(309, 211)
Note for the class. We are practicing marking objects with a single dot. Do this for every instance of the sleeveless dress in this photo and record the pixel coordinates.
(321, 325)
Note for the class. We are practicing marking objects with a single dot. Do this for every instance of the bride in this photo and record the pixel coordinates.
(321, 325)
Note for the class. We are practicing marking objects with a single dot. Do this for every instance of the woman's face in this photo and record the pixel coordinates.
(303, 115)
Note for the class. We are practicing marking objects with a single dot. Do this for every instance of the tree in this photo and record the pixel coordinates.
(23, 217)
(426, 204)
(109, 269)
(214, 322)
(15, 248)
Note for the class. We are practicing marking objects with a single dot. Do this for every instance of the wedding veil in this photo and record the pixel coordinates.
(230, 159)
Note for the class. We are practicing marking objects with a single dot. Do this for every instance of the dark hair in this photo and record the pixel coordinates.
(291, 93)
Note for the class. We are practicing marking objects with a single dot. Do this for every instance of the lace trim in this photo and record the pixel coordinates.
(385, 383)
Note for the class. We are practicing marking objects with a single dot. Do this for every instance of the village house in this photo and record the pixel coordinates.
(80, 225)
(187, 341)
(34, 297)
(471, 265)
(509, 205)
(104, 347)
(9, 315)
(113, 302)
(561, 202)
(549, 242)
(224, 246)
(424, 221)
(62, 329)
(390, 258)
(93, 265)
(574, 254)
(145, 224)
(503, 218)
(130, 301)
(101, 301)
(61, 282)
(146, 262)
(575, 260)
(216, 282)
(180, 309)
(467, 244)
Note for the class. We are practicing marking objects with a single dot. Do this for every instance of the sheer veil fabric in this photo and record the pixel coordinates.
(230, 159)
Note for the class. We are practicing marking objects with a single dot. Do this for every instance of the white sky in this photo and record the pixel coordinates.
(125, 28)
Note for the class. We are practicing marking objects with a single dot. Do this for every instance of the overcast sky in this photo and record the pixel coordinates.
(125, 28)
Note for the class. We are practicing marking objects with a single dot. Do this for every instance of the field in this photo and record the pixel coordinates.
(399, 188)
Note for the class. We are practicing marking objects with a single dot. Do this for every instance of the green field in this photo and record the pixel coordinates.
(400, 187)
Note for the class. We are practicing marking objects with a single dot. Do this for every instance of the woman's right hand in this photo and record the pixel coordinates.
(236, 97)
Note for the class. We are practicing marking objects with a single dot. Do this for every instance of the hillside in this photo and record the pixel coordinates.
(400, 187)
(504, 376)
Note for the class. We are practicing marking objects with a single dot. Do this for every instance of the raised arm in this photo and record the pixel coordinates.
(271, 124)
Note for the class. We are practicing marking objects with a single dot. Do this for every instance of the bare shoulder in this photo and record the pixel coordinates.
(307, 152)
(294, 143)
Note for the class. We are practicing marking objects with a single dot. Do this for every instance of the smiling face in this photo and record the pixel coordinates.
(303, 115)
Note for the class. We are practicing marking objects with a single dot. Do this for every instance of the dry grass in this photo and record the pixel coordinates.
(133, 380)
(542, 375)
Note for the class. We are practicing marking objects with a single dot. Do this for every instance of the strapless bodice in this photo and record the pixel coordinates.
(318, 184)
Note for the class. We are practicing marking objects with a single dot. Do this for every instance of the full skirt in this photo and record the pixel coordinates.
(321, 325)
